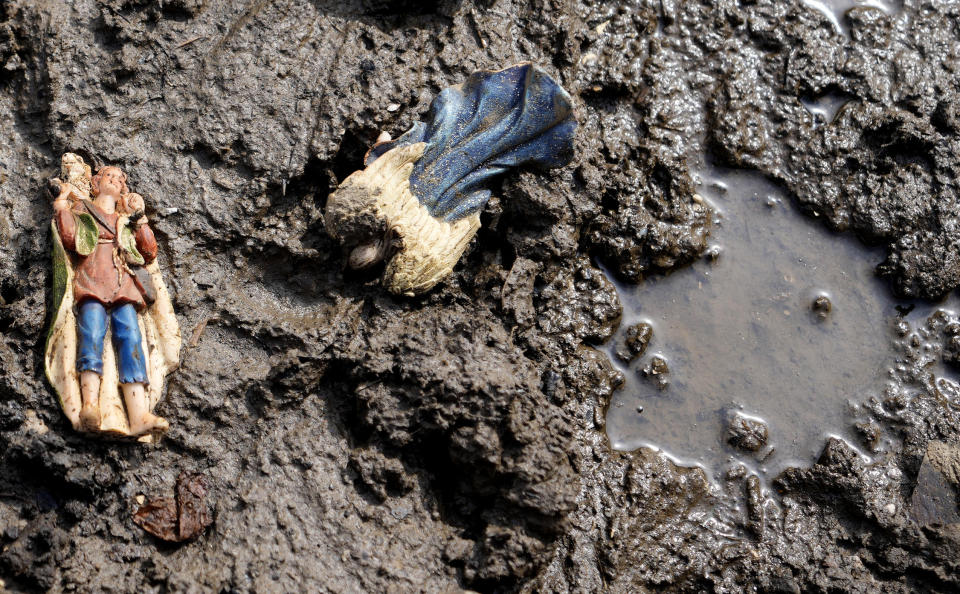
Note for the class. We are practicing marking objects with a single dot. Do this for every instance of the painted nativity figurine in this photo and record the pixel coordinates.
(417, 204)
(114, 336)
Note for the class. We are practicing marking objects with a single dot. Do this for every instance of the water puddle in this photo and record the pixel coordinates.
(783, 323)
(825, 107)
(836, 9)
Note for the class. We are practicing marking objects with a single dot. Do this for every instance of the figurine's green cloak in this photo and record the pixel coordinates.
(160, 335)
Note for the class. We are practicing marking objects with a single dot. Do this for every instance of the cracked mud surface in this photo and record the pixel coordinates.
(355, 442)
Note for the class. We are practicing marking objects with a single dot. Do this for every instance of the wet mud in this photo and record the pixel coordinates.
(352, 441)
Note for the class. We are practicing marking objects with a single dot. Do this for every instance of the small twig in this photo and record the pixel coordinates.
(198, 331)
(362, 387)
(189, 41)
(767, 455)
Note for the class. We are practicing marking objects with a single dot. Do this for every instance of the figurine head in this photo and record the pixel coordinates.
(109, 180)
(354, 219)
(75, 171)
(372, 252)
(364, 256)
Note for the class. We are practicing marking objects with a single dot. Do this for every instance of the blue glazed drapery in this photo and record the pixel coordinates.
(479, 129)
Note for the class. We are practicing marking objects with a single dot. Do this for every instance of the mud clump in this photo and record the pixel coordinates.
(653, 223)
(951, 347)
(635, 341)
(657, 370)
(746, 433)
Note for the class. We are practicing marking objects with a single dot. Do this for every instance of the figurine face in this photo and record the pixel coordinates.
(366, 255)
(111, 181)
(74, 171)
(73, 167)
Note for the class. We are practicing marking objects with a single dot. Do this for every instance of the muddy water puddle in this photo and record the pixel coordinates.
(825, 107)
(836, 10)
(783, 323)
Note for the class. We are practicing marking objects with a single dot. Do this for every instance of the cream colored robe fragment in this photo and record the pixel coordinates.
(431, 247)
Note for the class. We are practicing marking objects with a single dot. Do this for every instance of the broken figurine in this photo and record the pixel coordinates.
(417, 203)
(114, 336)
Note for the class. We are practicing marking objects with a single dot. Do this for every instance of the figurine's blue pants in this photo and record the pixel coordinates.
(92, 327)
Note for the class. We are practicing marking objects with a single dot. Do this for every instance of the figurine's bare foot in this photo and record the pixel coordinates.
(90, 417)
(148, 423)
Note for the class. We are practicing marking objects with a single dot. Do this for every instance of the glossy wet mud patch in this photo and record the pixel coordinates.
(762, 349)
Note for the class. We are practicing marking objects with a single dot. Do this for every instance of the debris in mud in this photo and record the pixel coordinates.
(934, 498)
(181, 519)
(747, 433)
(635, 342)
(755, 502)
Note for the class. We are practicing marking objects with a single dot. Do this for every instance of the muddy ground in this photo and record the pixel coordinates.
(358, 442)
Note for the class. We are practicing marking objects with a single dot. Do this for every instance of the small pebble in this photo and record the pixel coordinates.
(870, 433)
(713, 253)
(393, 107)
(890, 508)
(822, 307)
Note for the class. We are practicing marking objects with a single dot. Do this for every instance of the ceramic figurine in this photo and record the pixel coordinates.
(417, 203)
(114, 336)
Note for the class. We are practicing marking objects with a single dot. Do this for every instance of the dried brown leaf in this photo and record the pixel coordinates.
(159, 518)
(181, 519)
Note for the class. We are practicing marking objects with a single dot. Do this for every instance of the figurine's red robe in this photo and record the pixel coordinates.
(97, 276)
